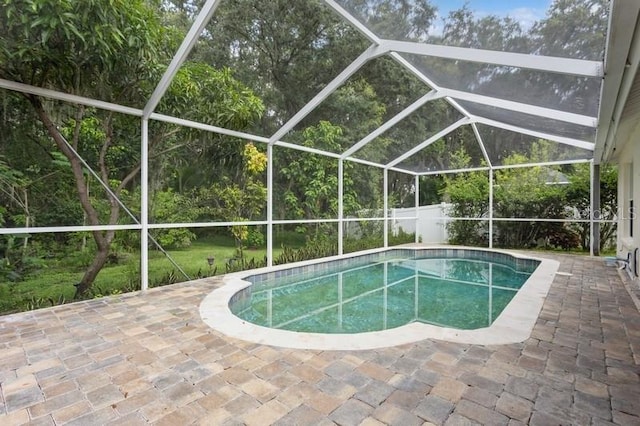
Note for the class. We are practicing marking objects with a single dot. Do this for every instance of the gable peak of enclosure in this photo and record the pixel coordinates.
(440, 75)
(407, 83)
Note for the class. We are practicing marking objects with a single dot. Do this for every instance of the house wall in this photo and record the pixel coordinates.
(629, 191)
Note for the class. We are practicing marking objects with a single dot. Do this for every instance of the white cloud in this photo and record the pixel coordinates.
(526, 16)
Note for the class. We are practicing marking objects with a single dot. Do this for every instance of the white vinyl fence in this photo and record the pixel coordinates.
(431, 222)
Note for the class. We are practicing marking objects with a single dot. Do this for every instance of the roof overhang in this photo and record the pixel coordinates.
(621, 87)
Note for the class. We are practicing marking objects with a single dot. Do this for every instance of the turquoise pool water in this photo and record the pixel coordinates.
(378, 295)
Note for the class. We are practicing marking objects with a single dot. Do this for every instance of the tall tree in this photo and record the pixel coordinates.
(110, 50)
(285, 51)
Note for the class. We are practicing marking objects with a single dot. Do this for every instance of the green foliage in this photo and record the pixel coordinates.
(468, 194)
(38, 303)
(116, 51)
(255, 238)
(285, 51)
(313, 250)
(201, 92)
(43, 41)
(236, 264)
(310, 182)
(16, 263)
(525, 192)
(170, 207)
(529, 192)
(579, 197)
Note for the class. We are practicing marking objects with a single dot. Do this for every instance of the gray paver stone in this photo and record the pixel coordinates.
(393, 415)
(374, 393)
(514, 407)
(599, 407)
(480, 396)
(23, 398)
(458, 420)
(480, 414)
(434, 409)
(351, 412)
(522, 387)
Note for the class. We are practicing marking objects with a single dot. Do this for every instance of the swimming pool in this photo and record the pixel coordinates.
(455, 294)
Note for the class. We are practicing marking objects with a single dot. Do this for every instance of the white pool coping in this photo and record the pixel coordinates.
(513, 325)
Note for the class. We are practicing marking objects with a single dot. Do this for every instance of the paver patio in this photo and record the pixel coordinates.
(148, 358)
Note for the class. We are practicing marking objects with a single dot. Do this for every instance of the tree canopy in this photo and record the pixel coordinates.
(253, 67)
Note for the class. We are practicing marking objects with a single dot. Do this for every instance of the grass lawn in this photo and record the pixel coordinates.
(55, 282)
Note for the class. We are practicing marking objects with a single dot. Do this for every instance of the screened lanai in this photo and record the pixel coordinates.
(170, 120)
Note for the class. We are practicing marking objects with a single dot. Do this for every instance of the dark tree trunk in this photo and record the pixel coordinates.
(102, 239)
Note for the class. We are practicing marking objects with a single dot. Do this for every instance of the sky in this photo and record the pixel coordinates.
(524, 11)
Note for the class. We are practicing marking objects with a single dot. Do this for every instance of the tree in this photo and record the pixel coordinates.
(525, 192)
(397, 19)
(285, 51)
(468, 194)
(239, 200)
(579, 197)
(310, 182)
(110, 50)
(80, 48)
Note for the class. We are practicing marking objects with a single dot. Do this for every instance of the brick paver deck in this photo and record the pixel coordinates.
(148, 358)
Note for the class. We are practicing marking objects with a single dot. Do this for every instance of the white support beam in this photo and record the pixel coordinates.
(185, 48)
(365, 162)
(380, 166)
(144, 205)
(353, 21)
(420, 75)
(592, 203)
(177, 225)
(392, 122)
(270, 161)
(340, 206)
(74, 99)
(306, 149)
(577, 67)
(568, 117)
(415, 71)
(385, 202)
(207, 127)
(561, 139)
(416, 180)
(71, 228)
(445, 172)
(108, 106)
(544, 163)
(429, 141)
(622, 62)
(481, 144)
(372, 52)
(490, 208)
(296, 221)
(338, 156)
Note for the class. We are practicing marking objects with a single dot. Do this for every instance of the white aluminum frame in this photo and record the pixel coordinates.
(608, 111)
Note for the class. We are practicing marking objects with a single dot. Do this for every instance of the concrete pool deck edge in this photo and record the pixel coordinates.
(513, 325)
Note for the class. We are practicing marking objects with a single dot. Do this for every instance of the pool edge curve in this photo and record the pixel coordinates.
(513, 325)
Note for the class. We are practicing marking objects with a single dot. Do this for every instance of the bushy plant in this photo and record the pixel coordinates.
(255, 239)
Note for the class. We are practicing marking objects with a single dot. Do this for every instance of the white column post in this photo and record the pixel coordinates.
(624, 213)
(491, 208)
(144, 206)
(596, 209)
(591, 207)
(269, 205)
(417, 186)
(340, 205)
(385, 192)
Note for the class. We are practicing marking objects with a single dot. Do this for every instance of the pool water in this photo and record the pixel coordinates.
(457, 293)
